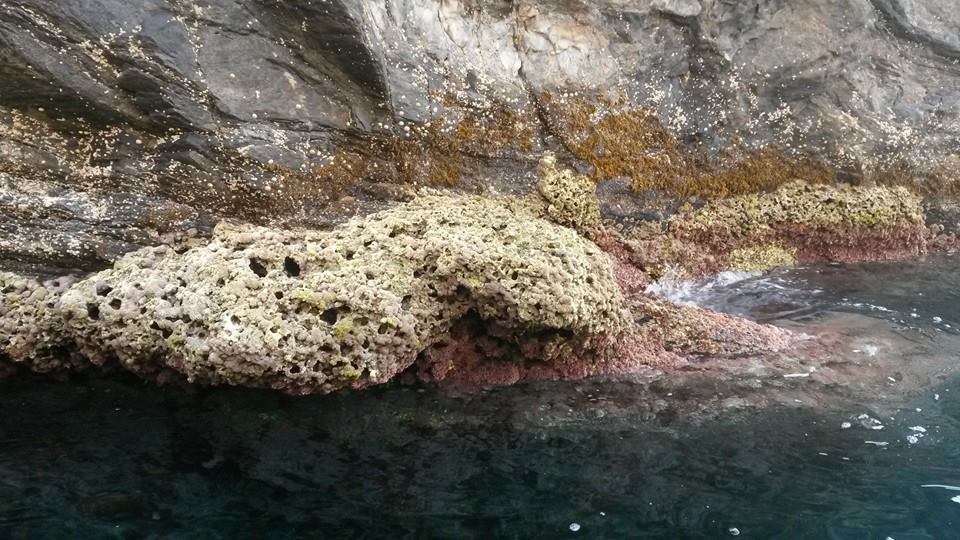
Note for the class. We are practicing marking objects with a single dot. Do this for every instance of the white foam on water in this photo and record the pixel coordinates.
(941, 486)
(868, 422)
(692, 292)
(867, 305)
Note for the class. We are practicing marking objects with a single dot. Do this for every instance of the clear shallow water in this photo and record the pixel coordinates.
(118, 459)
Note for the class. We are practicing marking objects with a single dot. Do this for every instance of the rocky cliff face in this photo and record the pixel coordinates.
(123, 123)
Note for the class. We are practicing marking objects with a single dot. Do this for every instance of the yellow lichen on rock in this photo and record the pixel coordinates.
(799, 203)
(760, 258)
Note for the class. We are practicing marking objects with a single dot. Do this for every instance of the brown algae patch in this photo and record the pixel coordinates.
(623, 141)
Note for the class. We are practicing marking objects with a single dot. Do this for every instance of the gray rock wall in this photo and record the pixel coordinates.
(122, 122)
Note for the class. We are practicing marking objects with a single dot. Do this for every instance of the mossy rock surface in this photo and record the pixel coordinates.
(799, 208)
(800, 203)
(307, 311)
(570, 198)
(760, 258)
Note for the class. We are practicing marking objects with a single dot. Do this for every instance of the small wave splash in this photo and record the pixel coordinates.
(917, 295)
(693, 292)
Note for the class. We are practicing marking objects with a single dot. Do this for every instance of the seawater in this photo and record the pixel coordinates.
(116, 458)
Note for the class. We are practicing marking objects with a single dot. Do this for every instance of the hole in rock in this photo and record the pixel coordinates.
(294, 369)
(383, 329)
(234, 319)
(221, 282)
(116, 303)
(93, 311)
(330, 316)
(291, 267)
(279, 295)
(405, 302)
(257, 267)
(103, 289)
(165, 332)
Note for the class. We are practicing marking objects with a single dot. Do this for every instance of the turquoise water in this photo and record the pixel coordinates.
(612, 459)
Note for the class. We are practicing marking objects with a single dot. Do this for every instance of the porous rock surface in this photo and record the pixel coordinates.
(570, 199)
(800, 222)
(309, 311)
(31, 326)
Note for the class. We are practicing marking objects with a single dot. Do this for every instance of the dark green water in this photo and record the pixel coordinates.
(118, 459)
